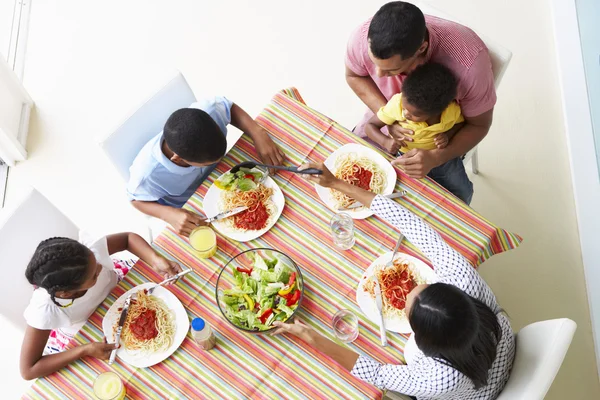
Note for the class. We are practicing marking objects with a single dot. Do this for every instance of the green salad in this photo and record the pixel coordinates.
(264, 293)
(245, 179)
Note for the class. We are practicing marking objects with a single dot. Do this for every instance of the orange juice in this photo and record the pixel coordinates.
(204, 241)
(108, 386)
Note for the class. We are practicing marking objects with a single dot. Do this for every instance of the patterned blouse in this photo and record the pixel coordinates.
(425, 377)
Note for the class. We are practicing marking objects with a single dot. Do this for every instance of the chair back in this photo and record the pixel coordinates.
(123, 145)
(541, 349)
(499, 55)
(22, 228)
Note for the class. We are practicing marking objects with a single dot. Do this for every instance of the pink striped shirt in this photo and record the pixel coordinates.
(451, 44)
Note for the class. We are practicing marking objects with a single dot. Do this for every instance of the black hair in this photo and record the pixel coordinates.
(430, 88)
(398, 28)
(456, 329)
(194, 136)
(58, 264)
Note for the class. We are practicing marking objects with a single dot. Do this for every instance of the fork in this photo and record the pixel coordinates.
(391, 262)
(171, 279)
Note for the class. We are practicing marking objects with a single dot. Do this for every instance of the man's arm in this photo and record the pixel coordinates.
(267, 150)
(417, 163)
(473, 132)
(183, 221)
(366, 89)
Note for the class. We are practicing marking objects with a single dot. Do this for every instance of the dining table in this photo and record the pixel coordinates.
(262, 366)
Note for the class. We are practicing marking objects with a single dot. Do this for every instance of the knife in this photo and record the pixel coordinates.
(389, 196)
(226, 214)
(113, 354)
(379, 304)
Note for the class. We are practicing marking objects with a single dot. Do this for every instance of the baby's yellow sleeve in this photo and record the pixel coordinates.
(392, 111)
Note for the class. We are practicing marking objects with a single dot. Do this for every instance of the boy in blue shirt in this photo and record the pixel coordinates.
(170, 167)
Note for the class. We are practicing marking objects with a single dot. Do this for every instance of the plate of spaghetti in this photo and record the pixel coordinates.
(155, 327)
(264, 200)
(363, 167)
(395, 282)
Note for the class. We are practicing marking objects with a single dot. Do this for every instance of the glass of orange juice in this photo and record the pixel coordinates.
(108, 386)
(204, 240)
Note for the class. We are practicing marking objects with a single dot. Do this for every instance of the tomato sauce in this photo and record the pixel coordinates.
(362, 178)
(253, 219)
(144, 326)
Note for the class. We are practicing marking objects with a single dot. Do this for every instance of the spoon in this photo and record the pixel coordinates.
(252, 164)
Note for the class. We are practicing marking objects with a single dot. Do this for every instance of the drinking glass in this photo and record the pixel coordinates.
(204, 240)
(342, 230)
(109, 386)
(345, 326)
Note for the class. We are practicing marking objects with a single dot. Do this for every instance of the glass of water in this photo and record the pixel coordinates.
(345, 326)
(342, 230)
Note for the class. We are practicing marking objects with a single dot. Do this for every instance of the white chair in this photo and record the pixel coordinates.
(22, 228)
(541, 349)
(500, 57)
(123, 145)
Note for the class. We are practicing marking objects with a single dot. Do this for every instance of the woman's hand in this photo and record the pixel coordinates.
(166, 268)
(326, 179)
(99, 350)
(297, 329)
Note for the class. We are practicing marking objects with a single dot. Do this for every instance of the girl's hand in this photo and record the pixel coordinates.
(166, 268)
(100, 350)
(326, 179)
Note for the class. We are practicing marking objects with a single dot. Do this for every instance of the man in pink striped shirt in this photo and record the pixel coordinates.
(384, 49)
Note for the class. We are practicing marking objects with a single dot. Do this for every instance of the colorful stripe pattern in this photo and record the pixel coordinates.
(260, 366)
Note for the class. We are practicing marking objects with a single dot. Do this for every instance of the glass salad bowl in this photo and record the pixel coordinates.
(258, 287)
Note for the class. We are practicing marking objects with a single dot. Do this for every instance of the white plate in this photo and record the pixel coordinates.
(139, 359)
(367, 304)
(390, 172)
(211, 202)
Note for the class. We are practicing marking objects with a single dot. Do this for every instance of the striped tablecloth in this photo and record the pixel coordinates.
(259, 366)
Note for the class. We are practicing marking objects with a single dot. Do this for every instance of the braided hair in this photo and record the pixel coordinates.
(58, 264)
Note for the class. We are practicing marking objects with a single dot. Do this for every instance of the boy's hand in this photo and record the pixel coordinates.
(400, 134)
(267, 150)
(391, 145)
(166, 268)
(442, 140)
(184, 221)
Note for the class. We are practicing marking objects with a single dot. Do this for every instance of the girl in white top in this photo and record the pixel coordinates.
(71, 280)
(462, 346)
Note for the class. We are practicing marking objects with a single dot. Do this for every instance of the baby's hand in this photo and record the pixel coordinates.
(441, 140)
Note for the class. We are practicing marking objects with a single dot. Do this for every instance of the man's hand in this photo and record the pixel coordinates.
(417, 163)
(400, 134)
(442, 140)
(184, 221)
(268, 151)
(166, 268)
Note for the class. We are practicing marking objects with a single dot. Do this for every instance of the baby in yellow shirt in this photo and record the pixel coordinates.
(426, 106)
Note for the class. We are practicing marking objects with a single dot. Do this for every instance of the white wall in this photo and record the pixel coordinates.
(89, 63)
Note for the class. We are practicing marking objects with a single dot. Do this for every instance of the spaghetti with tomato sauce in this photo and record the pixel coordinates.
(396, 283)
(359, 171)
(260, 207)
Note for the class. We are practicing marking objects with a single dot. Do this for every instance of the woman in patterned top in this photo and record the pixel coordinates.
(462, 346)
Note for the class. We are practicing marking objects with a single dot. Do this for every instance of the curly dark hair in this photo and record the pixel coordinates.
(58, 264)
(430, 88)
(194, 136)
